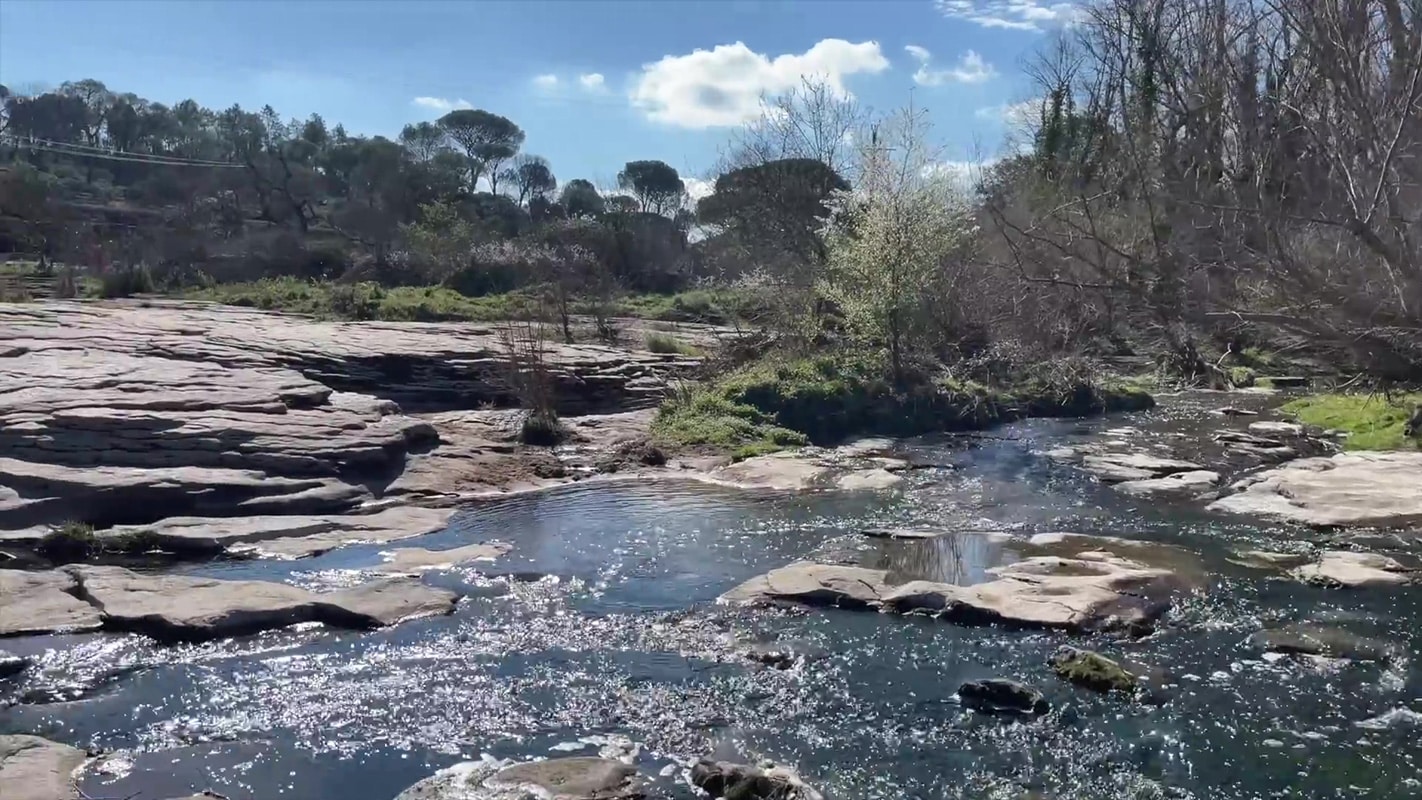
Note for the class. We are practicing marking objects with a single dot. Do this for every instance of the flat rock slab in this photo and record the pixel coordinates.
(43, 602)
(810, 469)
(287, 535)
(32, 768)
(1361, 489)
(1180, 484)
(418, 559)
(1276, 429)
(554, 779)
(1349, 570)
(1321, 640)
(1121, 467)
(1091, 590)
(185, 608)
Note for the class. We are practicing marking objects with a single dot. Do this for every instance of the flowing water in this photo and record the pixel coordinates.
(600, 633)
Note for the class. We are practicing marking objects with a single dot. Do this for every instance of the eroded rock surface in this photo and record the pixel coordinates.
(32, 768)
(180, 607)
(855, 466)
(1350, 570)
(1348, 489)
(554, 779)
(1321, 640)
(1089, 589)
(418, 559)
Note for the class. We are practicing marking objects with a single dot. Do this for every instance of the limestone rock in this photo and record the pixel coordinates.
(32, 768)
(418, 559)
(1321, 640)
(1347, 569)
(1002, 696)
(745, 782)
(42, 602)
(1276, 429)
(1349, 489)
(1121, 467)
(1179, 484)
(810, 468)
(808, 583)
(1265, 559)
(1092, 670)
(554, 779)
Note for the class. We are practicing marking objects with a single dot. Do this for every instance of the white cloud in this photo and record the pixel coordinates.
(724, 86)
(593, 81)
(1013, 115)
(971, 68)
(1022, 15)
(545, 81)
(964, 175)
(441, 103)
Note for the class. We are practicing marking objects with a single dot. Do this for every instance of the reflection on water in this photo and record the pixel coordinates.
(602, 626)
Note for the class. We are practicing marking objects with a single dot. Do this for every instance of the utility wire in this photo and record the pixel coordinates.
(86, 149)
(83, 151)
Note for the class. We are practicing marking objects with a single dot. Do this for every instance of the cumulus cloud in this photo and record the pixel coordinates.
(593, 81)
(1013, 115)
(549, 81)
(441, 103)
(1021, 15)
(971, 68)
(724, 86)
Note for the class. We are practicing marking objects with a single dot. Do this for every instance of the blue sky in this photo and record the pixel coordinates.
(594, 84)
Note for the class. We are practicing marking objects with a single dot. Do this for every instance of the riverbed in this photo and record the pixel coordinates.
(600, 632)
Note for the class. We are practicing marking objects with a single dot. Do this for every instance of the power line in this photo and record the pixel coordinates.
(85, 148)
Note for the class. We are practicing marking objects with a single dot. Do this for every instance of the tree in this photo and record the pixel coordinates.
(892, 237)
(774, 210)
(487, 140)
(424, 140)
(581, 199)
(531, 177)
(656, 185)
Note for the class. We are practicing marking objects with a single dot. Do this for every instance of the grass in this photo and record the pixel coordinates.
(782, 402)
(76, 541)
(369, 301)
(1371, 422)
(667, 344)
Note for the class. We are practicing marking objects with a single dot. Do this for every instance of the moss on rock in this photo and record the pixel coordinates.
(1092, 670)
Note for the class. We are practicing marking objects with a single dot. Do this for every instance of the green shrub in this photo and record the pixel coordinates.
(126, 281)
(359, 301)
(542, 430)
(664, 343)
(1241, 377)
(70, 542)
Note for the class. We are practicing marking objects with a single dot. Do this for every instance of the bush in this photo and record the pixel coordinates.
(359, 301)
(542, 430)
(70, 542)
(126, 281)
(665, 343)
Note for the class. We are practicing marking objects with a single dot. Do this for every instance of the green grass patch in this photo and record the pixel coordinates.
(667, 344)
(1371, 422)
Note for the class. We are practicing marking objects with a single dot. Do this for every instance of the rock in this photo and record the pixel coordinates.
(1320, 640)
(1092, 670)
(1346, 569)
(783, 655)
(32, 768)
(184, 608)
(1229, 411)
(745, 782)
(43, 602)
(11, 664)
(577, 778)
(1395, 719)
(808, 583)
(1002, 696)
(1286, 381)
(1259, 448)
(903, 533)
(1265, 559)
(808, 469)
(1360, 489)
(1094, 591)
(418, 559)
(1179, 484)
(1270, 428)
(290, 536)
(1121, 467)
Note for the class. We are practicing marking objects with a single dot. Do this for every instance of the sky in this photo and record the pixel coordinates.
(593, 84)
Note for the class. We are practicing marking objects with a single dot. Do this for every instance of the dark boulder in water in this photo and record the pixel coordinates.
(1003, 696)
(744, 782)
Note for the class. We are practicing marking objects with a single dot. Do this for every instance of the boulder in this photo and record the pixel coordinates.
(32, 768)
(11, 664)
(1286, 430)
(1348, 570)
(1122, 467)
(783, 655)
(43, 602)
(811, 584)
(1179, 484)
(745, 782)
(1360, 489)
(1092, 670)
(1321, 640)
(418, 559)
(577, 778)
(185, 608)
(811, 468)
(1002, 696)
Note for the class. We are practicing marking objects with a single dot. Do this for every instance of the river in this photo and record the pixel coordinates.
(600, 633)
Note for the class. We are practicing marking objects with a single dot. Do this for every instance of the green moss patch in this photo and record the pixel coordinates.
(1371, 421)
